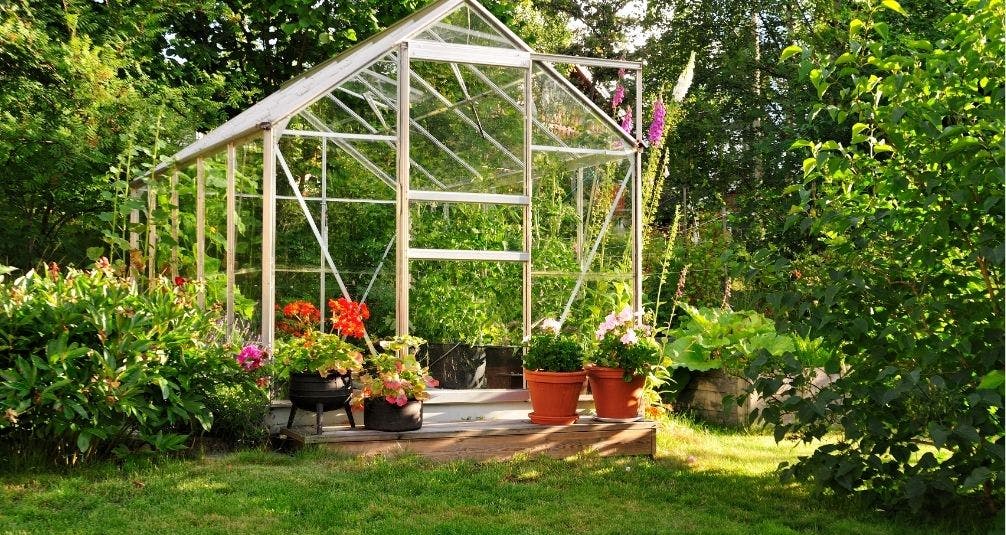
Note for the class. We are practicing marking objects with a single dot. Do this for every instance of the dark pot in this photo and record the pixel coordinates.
(312, 392)
(380, 415)
(308, 390)
(504, 368)
(456, 366)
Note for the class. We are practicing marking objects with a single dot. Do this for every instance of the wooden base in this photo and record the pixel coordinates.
(489, 439)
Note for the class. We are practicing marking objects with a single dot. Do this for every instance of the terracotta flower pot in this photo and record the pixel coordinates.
(554, 396)
(615, 399)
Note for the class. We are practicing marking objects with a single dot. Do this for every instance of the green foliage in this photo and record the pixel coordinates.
(92, 364)
(553, 352)
(730, 340)
(324, 353)
(906, 207)
(239, 411)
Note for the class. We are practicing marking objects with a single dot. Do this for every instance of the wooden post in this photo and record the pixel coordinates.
(268, 236)
(402, 197)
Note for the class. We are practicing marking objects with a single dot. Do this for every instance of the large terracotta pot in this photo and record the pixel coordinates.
(554, 396)
(380, 415)
(614, 398)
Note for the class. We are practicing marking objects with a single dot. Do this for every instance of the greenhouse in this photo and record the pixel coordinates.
(463, 202)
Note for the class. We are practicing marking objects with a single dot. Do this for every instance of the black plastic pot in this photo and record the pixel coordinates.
(310, 391)
(504, 368)
(380, 415)
(456, 366)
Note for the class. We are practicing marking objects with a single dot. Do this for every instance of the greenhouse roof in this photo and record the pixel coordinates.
(477, 34)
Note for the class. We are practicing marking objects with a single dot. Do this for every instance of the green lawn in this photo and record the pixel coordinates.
(702, 482)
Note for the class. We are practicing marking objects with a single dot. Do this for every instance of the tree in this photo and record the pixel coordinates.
(906, 280)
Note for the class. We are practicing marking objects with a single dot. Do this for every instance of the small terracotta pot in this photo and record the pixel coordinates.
(615, 399)
(554, 396)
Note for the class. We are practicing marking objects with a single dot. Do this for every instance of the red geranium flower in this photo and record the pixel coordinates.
(348, 317)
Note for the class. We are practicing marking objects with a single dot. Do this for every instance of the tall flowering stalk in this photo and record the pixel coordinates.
(656, 130)
(627, 121)
(665, 260)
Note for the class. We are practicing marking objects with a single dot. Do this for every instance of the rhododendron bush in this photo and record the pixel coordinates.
(91, 363)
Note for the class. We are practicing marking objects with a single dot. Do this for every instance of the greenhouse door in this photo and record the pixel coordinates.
(464, 209)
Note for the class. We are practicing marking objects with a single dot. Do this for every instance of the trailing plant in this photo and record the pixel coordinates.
(315, 351)
(395, 374)
(549, 350)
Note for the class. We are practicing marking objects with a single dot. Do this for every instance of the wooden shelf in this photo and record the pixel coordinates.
(489, 439)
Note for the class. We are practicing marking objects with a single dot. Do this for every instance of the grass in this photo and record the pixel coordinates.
(703, 481)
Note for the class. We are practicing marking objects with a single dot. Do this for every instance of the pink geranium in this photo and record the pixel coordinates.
(251, 357)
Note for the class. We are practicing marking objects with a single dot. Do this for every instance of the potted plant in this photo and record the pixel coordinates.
(553, 369)
(318, 366)
(626, 352)
(393, 387)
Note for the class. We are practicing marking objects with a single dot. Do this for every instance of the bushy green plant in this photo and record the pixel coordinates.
(551, 351)
(712, 339)
(907, 210)
(91, 363)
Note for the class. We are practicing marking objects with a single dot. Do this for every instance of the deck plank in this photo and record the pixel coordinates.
(489, 439)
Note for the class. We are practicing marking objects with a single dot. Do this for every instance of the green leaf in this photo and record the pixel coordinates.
(808, 165)
(83, 441)
(938, 433)
(978, 475)
(857, 130)
(855, 26)
(993, 380)
(893, 5)
(789, 52)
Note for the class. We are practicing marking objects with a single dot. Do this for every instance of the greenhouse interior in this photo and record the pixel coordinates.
(463, 203)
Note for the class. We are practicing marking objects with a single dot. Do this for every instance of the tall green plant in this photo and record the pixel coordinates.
(907, 210)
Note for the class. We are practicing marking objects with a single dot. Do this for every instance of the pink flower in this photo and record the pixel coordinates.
(430, 381)
(551, 325)
(657, 126)
(251, 357)
(401, 399)
(629, 338)
(619, 96)
(625, 314)
(627, 121)
(392, 385)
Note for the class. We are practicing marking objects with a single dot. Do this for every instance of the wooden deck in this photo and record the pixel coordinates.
(489, 439)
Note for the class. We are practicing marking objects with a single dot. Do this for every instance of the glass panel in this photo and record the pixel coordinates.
(470, 135)
(216, 229)
(187, 222)
(470, 313)
(360, 241)
(466, 226)
(582, 230)
(363, 104)
(572, 208)
(248, 252)
(563, 120)
(465, 26)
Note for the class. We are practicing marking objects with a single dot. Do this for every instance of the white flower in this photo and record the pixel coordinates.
(629, 338)
(551, 325)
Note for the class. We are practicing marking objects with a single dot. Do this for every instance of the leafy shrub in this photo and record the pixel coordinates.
(553, 352)
(908, 209)
(92, 364)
